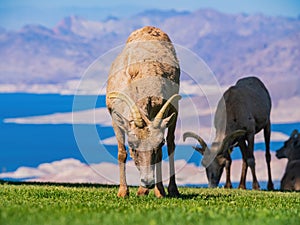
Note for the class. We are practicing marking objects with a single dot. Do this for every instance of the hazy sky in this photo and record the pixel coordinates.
(16, 13)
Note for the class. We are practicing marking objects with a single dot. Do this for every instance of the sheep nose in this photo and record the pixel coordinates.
(148, 183)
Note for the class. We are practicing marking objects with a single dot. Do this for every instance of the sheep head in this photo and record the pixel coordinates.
(291, 147)
(214, 158)
(145, 137)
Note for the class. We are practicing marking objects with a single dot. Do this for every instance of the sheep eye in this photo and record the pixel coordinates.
(130, 145)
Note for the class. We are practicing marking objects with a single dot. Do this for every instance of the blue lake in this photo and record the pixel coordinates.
(31, 145)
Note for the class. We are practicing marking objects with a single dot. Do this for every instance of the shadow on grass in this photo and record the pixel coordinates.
(95, 185)
(187, 196)
(57, 184)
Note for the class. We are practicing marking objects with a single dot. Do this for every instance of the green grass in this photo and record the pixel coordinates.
(93, 204)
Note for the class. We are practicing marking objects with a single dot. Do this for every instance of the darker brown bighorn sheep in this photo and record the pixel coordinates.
(291, 150)
(243, 111)
(142, 98)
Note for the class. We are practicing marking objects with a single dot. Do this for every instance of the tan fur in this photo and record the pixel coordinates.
(148, 33)
(147, 70)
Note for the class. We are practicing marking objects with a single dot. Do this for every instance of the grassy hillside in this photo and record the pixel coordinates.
(94, 204)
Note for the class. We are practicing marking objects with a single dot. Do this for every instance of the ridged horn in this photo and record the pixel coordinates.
(137, 118)
(197, 137)
(230, 137)
(159, 116)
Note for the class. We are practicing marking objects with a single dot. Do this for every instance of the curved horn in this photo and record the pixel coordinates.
(230, 137)
(137, 118)
(198, 138)
(159, 116)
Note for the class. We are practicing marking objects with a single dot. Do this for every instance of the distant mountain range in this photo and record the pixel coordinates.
(232, 45)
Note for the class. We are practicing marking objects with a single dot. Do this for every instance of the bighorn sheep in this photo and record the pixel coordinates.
(242, 112)
(142, 98)
(291, 150)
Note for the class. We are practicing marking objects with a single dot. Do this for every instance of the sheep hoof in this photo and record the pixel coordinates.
(242, 186)
(142, 191)
(255, 186)
(159, 193)
(123, 192)
(173, 191)
(270, 186)
(228, 185)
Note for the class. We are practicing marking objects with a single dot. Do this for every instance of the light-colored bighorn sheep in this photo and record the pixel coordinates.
(291, 150)
(243, 111)
(142, 98)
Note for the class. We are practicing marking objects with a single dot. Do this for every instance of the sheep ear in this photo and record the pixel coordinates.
(295, 133)
(168, 121)
(120, 121)
(230, 149)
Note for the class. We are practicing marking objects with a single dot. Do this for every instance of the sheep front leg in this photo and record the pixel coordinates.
(267, 134)
(251, 161)
(122, 156)
(159, 190)
(243, 147)
(227, 169)
(172, 188)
